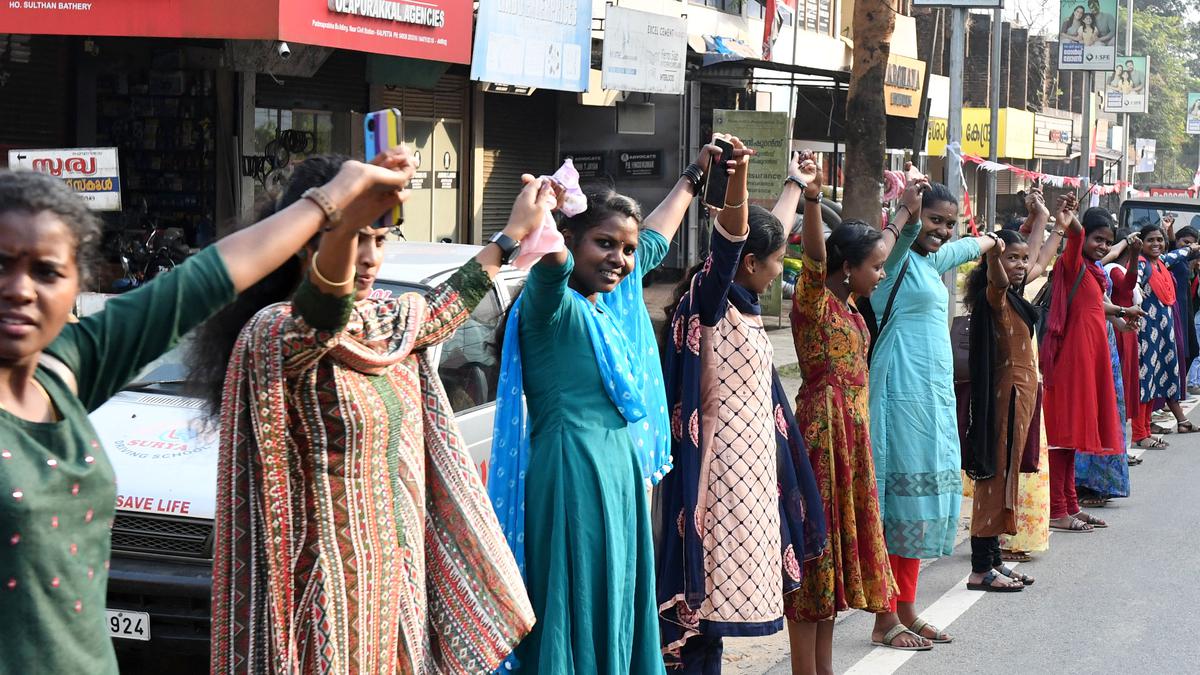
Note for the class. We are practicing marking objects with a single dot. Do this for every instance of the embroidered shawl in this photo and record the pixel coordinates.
(353, 530)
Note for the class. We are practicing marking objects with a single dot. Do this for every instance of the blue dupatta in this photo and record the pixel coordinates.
(629, 384)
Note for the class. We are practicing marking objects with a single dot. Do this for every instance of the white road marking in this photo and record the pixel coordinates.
(942, 613)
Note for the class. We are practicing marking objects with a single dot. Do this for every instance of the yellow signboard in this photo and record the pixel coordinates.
(935, 137)
(1015, 138)
(902, 86)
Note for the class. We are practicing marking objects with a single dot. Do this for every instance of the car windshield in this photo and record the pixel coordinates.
(170, 371)
(1181, 215)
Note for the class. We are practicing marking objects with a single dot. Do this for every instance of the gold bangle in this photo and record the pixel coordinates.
(739, 204)
(321, 277)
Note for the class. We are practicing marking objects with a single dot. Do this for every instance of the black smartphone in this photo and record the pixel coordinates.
(717, 181)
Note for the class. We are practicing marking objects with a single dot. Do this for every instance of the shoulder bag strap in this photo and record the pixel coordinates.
(887, 311)
(56, 366)
(1078, 280)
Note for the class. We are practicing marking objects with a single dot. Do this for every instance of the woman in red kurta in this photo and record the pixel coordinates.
(1080, 401)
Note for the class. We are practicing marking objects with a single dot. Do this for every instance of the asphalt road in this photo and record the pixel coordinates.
(1125, 599)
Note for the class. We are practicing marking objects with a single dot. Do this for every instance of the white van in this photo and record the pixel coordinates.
(165, 455)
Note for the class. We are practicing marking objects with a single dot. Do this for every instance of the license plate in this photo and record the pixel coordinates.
(128, 625)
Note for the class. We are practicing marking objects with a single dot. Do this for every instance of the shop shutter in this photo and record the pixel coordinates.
(447, 101)
(36, 87)
(339, 85)
(518, 137)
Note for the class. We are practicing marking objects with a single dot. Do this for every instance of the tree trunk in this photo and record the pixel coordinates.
(866, 121)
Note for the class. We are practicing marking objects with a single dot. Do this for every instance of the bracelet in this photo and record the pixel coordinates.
(317, 196)
(739, 204)
(891, 227)
(1061, 233)
(321, 277)
(799, 183)
(694, 175)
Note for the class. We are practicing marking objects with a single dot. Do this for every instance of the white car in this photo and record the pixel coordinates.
(164, 451)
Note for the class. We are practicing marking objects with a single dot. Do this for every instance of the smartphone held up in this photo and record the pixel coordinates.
(381, 131)
(717, 177)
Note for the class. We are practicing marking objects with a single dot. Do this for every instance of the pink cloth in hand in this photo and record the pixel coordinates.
(546, 238)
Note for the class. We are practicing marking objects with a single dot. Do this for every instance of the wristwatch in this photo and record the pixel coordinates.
(1121, 313)
(509, 247)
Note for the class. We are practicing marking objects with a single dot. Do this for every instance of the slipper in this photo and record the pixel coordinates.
(987, 587)
(1015, 556)
(1134, 461)
(1161, 430)
(1153, 443)
(1186, 427)
(1089, 519)
(1094, 502)
(1074, 525)
(940, 636)
(896, 631)
(1014, 575)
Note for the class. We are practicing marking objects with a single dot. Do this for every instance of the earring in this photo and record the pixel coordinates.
(847, 280)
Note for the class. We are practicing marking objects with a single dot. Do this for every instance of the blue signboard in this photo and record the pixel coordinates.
(534, 44)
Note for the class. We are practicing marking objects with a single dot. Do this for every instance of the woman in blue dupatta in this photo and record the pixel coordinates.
(570, 467)
(741, 511)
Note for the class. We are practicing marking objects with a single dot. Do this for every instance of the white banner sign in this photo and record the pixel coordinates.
(93, 173)
(643, 52)
(1146, 150)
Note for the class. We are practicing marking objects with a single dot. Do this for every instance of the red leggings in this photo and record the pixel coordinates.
(1063, 501)
(906, 571)
(1139, 416)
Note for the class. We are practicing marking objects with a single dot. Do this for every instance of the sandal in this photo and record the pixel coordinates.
(896, 631)
(987, 585)
(940, 637)
(1009, 572)
(1089, 519)
(1153, 443)
(1134, 461)
(1160, 429)
(1015, 556)
(1186, 427)
(1072, 525)
(1094, 502)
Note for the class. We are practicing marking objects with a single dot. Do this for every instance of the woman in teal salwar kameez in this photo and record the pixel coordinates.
(914, 433)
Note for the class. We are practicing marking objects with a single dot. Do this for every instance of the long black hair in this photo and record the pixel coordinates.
(977, 278)
(851, 243)
(766, 236)
(212, 344)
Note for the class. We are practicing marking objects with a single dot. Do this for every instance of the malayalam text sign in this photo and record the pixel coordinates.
(1127, 89)
(643, 52)
(767, 133)
(1087, 35)
(534, 44)
(93, 173)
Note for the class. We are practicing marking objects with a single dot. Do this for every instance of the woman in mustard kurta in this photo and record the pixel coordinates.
(57, 492)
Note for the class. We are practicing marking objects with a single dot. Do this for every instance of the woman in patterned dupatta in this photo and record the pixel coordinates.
(354, 534)
(741, 511)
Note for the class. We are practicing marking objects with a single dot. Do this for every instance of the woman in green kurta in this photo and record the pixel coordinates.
(57, 489)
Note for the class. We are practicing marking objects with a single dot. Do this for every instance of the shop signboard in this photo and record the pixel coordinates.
(436, 30)
(1015, 137)
(768, 134)
(588, 164)
(534, 44)
(1127, 89)
(643, 52)
(935, 137)
(93, 173)
(1052, 136)
(902, 86)
(972, 4)
(1087, 35)
(640, 164)
(1193, 113)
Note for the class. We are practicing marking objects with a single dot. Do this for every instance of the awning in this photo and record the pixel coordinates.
(720, 49)
(435, 30)
(1109, 155)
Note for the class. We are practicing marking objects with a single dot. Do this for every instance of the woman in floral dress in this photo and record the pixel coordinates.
(832, 410)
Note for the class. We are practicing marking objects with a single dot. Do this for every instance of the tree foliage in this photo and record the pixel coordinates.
(1164, 35)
